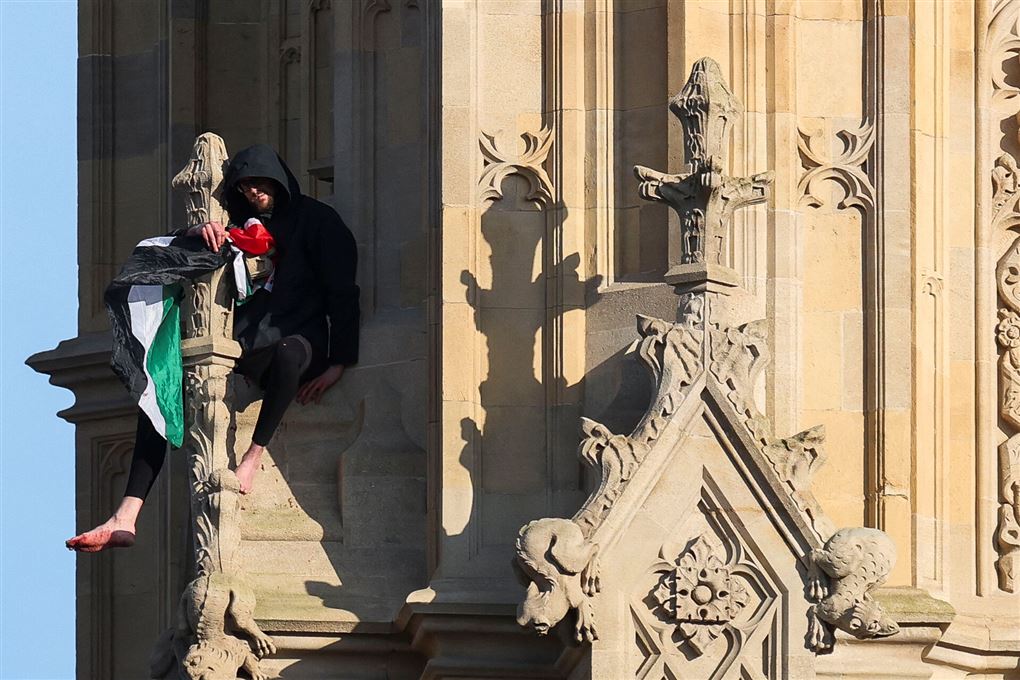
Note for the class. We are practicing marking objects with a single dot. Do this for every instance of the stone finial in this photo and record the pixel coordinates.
(207, 325)
(706, 109)
(215, 634)
(703, 196)
(201, 180)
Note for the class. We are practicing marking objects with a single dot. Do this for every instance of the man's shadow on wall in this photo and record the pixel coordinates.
(521, 468)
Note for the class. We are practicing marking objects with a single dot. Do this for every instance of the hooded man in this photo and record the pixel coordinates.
(297, 333)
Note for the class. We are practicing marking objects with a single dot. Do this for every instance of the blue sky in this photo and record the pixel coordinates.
(38, 308)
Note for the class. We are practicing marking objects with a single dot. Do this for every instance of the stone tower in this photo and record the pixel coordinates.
(826, 246)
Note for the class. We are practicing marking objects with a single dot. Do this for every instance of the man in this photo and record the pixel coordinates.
(296, 335)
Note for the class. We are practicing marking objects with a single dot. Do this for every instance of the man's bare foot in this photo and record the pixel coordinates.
(249, 465)
(111, 534)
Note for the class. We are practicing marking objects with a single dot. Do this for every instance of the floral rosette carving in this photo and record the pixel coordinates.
(1008, 335)
(1008, 329)
(701, 594)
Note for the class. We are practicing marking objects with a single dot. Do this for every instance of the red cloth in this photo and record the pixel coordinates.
(252, 239)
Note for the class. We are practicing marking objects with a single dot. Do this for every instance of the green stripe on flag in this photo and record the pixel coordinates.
(163, 361)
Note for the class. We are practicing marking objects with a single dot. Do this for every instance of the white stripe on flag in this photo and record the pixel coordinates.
(240, 274)
(161, 241)
(145, 308)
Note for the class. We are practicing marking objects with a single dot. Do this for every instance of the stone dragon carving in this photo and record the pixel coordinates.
(218, 603)
(701, 354)
(560, 569)
(841, 577)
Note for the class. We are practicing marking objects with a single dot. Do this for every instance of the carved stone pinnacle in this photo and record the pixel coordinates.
(703, 196)
(201, 180)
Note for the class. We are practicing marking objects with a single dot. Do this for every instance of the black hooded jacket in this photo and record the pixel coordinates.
(314, 291)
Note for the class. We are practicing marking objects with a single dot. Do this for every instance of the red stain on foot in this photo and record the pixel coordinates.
(98, 540)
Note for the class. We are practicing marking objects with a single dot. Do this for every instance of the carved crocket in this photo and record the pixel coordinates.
(560, 569)
(216, 604)
(841, 577)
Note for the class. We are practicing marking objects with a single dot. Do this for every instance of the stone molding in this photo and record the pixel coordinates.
(1002, 213)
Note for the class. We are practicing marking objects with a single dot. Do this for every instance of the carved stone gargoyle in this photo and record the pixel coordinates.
(215, 634)
(216, 608)
(711, 581)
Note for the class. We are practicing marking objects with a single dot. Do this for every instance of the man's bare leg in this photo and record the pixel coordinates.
(116, 532)
(250, 463)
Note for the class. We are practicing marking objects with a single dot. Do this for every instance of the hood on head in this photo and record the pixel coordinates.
(260, 160)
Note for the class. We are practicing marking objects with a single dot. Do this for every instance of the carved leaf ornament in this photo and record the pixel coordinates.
(1005, 194)
(1002, 43)
(498, 165)
(1003, 46)
(1007, 532)
(845, 169)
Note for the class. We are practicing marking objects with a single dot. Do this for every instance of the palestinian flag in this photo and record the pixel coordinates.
(143, 303)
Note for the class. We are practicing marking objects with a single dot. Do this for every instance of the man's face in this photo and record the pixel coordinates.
(260, 192)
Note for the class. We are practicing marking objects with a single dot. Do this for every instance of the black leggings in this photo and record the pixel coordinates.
(277, 369)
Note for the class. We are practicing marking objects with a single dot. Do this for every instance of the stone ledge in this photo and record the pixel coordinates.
(294, 613)
(273, 524)
(922, 619)
(991, 634)
(333, 643)
(82, 365)
(913, 606)
(465, 641)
